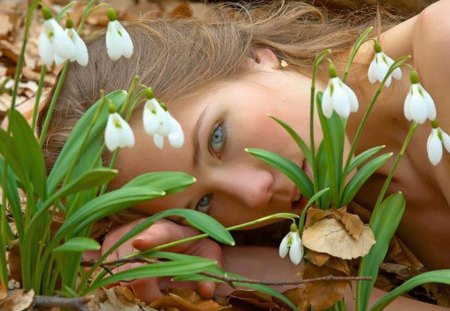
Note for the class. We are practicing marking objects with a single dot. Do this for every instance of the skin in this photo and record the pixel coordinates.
(244, 188)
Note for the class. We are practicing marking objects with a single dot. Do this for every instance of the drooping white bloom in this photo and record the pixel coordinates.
(434, 147)
(340, 98)
(379, 67)
(118, 41)
(293, 244)
(54, 43)
(419, 105)
(445, 140)
(81, 52)
(160, 123)
(118, 133)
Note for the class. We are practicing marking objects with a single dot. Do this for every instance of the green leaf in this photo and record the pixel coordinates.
(78, 244)
(13, 197)
(169, 182)
(323, 178)
(73, 144)
(300, 143)
(333, 137)
(287, 167)
(169, 268)
(64, 10)
(360, 158)
(437, 276)
(25, 148)
(93, 178)
(361, 177)
(391, 209)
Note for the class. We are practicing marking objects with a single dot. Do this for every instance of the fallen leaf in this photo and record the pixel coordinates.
(322, 295)
(3, 291)
(297, 296)
(352, 222)
(329, 236)
(316, 258)
(260, 300)
(15, 270)
(17, 300)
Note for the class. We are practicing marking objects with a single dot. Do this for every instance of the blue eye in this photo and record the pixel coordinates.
(217, 139)
(204, 204)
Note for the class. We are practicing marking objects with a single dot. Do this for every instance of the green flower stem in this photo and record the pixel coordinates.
(52, 105)
(359, 42)
(410, 134)
(86, 12)
(38, 97)
(319, 58)
(396, 64)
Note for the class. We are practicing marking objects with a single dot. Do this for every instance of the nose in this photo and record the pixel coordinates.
(249, 186)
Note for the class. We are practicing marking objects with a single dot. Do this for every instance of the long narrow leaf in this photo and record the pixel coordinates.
(361, 177)
(78, 245)
(13, 198)
(360, 158)
(438, 276)
(300, 142)
(287, 167)
(384, 223)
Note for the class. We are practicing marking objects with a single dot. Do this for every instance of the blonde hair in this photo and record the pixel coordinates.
(178, 57)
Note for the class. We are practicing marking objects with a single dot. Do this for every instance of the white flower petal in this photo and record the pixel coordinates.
(45, 49)
(127, 43)
(284, 247)
(429, 103)
(150, 120)
(59, 60)
(397, 73)
(176, 137)
(81, 51)
(111, 134)
(434, 148)
(388, 81)
(113, 41)
(406, 107)
(417, 108)
(296, 250)
(126, 134)
(445, 140)
(354, 105)
(372, 73)
(340, 100)
(158, 140)
(62, 44)
(327, 105)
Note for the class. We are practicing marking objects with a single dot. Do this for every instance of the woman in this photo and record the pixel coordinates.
(220, 79)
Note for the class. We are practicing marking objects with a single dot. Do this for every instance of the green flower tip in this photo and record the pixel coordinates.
(414, 77)
(163, 105)
(69, 23)
(111, 107)
(332, 71)
(46, 13)
(294, 227)
(112, 15)
(377, 47)
(149, 93)
(434, 124)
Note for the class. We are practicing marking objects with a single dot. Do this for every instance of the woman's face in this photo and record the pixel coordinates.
(232, 186)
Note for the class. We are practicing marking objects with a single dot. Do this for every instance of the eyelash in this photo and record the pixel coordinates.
(201, 205)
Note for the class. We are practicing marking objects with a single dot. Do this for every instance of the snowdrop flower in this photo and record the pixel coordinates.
(81, 52)
(54, 42)
(379, 67)
(118, 41)
(159, 122)
(293, 244)
(418, 103)
(118, 133)
(435, 141)
(338, 97)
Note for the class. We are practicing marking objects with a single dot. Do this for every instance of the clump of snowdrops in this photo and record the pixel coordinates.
(335, 182)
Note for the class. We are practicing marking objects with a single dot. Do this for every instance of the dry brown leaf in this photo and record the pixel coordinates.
(17, 300)
(322, 295)
(181, 10)
(186, 299)
(329, 236)
(399, 253)
(316, 258)
(5, 25)
(260, 300)
(15, 270)
(297, 296)
(313, 215)
(3, 291)
(352, 222)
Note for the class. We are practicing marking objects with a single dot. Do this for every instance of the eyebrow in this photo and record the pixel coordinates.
(195, 140)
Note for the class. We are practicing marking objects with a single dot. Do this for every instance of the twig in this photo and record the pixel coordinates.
(77, 303)
(328, 278)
